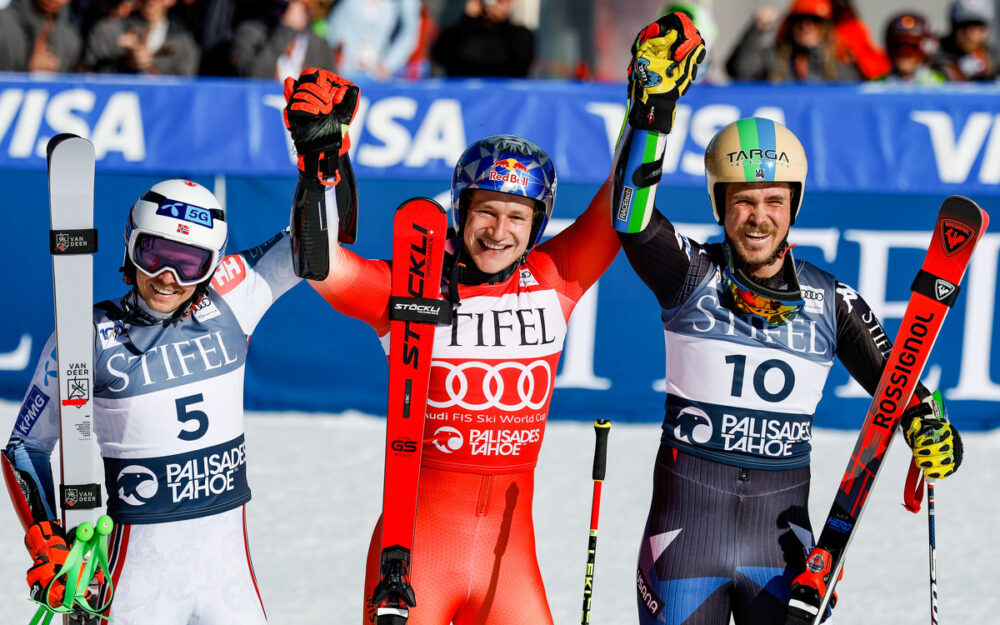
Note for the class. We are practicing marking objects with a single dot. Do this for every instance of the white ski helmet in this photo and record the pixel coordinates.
(754, 150)
(176, 225)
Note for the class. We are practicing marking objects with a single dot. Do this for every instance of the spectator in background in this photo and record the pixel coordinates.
(279, 42)
(147, 41)
(419, 64)
(854, 42)
(911, 44)
(965, 53)
(483, 42)
(37, 36)
(373, 38)
(702, 18)
(802, 50)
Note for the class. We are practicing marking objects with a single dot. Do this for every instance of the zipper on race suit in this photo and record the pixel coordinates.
(485, 490)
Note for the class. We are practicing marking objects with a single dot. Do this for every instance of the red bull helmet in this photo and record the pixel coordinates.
(507, 164)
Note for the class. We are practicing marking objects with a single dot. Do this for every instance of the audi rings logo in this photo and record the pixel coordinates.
(507, 385)
(447, 439)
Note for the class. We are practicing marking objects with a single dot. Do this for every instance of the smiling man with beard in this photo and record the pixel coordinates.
(751, 334)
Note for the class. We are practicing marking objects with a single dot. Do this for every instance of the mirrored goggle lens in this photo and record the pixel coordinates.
(153, 254)
(773, 311)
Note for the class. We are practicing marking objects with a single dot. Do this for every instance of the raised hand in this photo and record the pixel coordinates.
(665, 58)
(320, 106)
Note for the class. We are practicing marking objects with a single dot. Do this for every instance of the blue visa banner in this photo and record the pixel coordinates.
(881, 162)
(861, 138)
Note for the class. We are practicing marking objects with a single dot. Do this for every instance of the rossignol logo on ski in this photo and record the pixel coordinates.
(910, 348)
(955, 235)
(943, 289)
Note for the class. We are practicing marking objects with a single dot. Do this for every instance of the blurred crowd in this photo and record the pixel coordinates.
(806, 41)
(377, 39)
(827, 41)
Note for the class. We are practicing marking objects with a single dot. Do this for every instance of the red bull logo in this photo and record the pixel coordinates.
(510, 170)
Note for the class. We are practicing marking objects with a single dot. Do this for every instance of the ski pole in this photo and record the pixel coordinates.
(933, 551)
(937, 405)
(88, 555)
(601, 428)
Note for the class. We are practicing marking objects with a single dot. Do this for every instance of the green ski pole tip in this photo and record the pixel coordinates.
(84, 532)
(104, 525)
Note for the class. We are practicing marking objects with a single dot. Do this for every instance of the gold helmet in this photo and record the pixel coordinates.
(754, 150)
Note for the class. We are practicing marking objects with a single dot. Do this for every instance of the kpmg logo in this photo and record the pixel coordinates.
(32, 407)
(137, 485)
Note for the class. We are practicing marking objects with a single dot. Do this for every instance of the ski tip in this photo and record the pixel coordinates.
(965, 210)
(61, 138)
(418, 200)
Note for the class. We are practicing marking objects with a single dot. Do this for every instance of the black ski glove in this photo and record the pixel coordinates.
(320, 106)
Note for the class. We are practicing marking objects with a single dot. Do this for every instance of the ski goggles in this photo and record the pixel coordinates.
(746, 295)
(153, 254)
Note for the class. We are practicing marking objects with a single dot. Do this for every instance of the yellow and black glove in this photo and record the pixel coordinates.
(936, 445)
(665, 58)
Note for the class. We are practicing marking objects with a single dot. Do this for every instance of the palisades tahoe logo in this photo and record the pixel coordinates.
(188, 480)
(501, 442)
(206, 476)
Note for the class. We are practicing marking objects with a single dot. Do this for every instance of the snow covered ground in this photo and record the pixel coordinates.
(317, 484)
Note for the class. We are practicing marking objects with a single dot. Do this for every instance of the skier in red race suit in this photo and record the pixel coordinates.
(493, 369)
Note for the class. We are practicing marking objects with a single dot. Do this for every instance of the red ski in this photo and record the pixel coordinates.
(419, 234)
(960, 225)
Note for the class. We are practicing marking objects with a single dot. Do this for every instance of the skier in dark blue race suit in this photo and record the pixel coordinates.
(751, 334)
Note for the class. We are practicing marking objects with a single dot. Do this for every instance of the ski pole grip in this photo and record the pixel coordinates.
(601, 428)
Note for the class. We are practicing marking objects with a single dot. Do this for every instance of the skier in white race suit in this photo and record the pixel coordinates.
(169, 361)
